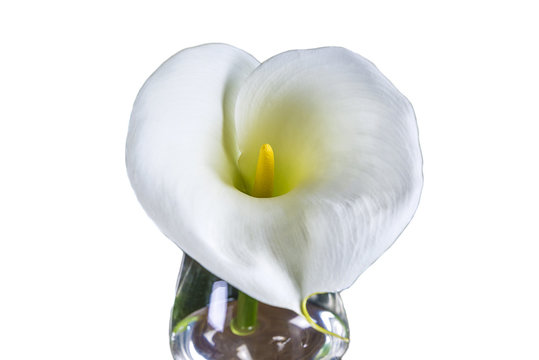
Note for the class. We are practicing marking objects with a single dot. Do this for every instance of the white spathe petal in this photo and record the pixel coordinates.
(350, 141)
(347, 161)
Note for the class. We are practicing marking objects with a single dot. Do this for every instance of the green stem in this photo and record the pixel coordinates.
(246, 315)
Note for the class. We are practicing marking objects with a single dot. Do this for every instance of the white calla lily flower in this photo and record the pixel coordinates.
(348, 166)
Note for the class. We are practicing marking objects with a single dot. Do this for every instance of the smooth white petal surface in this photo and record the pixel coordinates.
(347, 165)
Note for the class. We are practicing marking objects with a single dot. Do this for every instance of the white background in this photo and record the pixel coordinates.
(84, 274)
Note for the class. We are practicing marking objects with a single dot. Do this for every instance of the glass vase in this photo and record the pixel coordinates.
(205, 306)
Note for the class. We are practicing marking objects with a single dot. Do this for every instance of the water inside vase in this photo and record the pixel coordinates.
(280, 334)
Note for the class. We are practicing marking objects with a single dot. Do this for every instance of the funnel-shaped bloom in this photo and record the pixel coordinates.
(348, 167)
